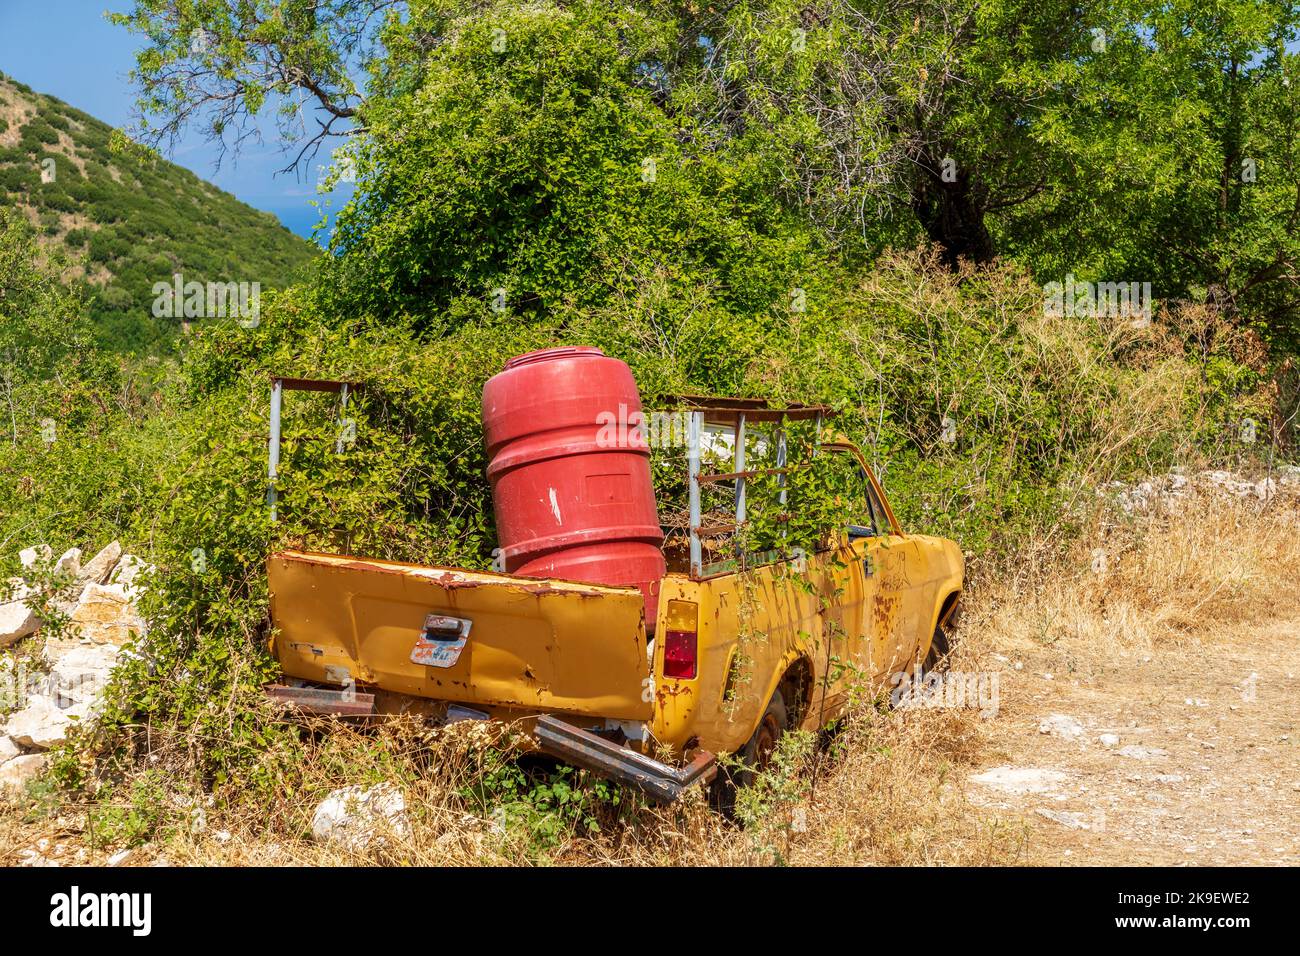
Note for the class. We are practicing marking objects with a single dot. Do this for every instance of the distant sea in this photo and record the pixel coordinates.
(298, 214)
(298, 218)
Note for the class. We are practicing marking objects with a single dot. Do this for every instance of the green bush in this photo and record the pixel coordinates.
(105, 245)
(39, 131)
(55, 119)
(56, 199)
(18, 179)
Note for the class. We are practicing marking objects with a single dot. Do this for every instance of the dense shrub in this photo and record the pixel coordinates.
(55, 119)
(105, 246)
(18, 179)
(39, 131)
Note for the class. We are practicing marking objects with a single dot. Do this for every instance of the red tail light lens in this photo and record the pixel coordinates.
(681, 648)
(679, 654)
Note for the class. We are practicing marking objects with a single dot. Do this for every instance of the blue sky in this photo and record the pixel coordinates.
(67, 49)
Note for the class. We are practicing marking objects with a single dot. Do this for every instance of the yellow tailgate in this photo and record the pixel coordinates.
(533, 643)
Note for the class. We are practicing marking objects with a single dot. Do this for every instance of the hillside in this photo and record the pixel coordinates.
(128, 219)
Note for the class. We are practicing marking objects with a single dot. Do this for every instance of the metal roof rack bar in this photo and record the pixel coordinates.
(739, 475)
(727, 411)
(278, 385)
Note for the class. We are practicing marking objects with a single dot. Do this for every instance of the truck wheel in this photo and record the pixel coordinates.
(938, 649)
(754, 757)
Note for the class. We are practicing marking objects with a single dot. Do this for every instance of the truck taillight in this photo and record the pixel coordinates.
(681, 649)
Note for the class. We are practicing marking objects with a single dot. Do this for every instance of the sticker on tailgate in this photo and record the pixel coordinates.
(441, 640)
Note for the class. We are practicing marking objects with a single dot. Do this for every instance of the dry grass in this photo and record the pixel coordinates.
(889, 789)
(1187, 649)
(878, 793)
(1137, 582)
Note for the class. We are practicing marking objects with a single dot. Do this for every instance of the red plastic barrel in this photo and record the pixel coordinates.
(570, 476)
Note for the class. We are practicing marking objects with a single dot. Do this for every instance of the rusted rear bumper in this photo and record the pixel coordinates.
(553, 736)
(657, 780)
(323, 700)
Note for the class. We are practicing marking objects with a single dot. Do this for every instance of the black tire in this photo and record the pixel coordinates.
(938, 650)
(754, 757)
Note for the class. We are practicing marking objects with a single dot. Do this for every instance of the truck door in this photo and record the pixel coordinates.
(876, 563)
(888, 565)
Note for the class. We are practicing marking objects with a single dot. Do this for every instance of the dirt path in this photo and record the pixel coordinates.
(1206, 769)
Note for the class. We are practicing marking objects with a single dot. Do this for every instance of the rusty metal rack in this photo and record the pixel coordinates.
(737, 413)
(279, 384)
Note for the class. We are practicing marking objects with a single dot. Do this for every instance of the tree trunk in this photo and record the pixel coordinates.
(950, 212)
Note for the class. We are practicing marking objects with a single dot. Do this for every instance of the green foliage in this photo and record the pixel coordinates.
(539, 807)
(135, 817)
(41, 330)
(246, 48)
(825, 492)
(48, 590)
(1174, 128)
(561, 181)
(765, 808)
(39, 131)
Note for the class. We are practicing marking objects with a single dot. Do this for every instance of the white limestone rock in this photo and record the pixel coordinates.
(17, 621)
(98, 568)
(1061, 725)
(106, 614)
(357, 818)
(17, 772)
(80, 673)
(69, 561)
(39, 552)
(41, 724)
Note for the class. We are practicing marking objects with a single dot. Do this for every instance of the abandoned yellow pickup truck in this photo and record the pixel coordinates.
(733, 652)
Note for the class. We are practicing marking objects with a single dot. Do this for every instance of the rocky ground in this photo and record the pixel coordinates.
(1188, 756)
(1148, 710)
(63, 626)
